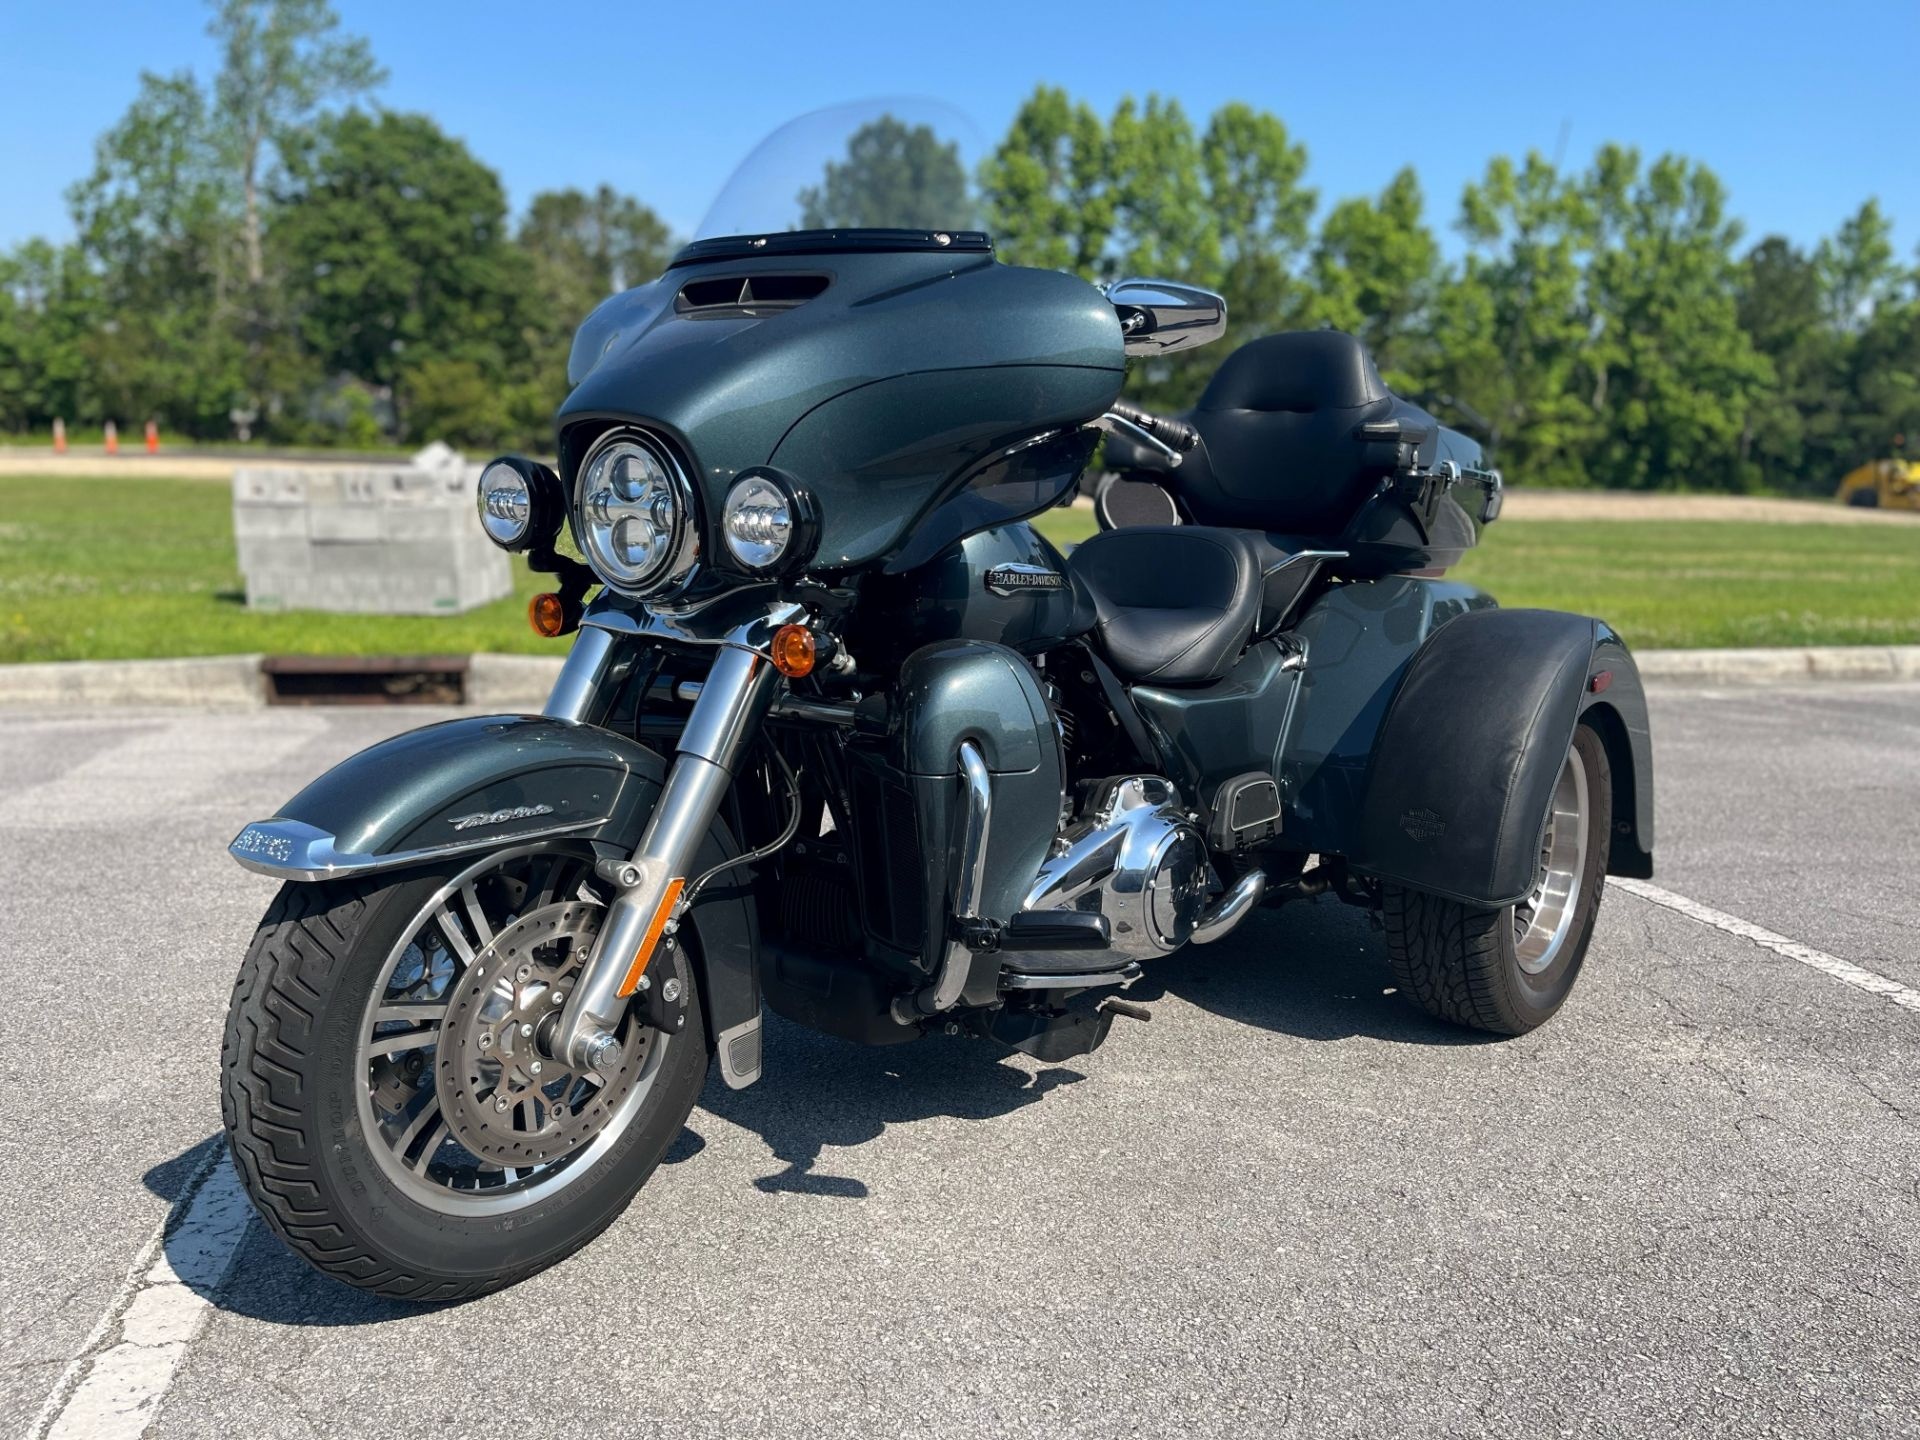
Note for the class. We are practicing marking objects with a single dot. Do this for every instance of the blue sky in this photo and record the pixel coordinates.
(1804, 110)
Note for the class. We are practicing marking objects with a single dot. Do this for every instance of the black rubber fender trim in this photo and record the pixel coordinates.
(1466, 758)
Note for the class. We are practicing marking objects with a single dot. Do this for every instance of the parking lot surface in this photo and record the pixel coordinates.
(1290, 1205)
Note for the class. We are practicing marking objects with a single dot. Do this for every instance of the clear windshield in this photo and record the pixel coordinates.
(903, 164)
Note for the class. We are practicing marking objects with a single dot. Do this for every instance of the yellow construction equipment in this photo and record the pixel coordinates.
(1893, 484)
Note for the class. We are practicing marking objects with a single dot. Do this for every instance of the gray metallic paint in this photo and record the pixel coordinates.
(958, 691)
(930, 361)
(400, 795)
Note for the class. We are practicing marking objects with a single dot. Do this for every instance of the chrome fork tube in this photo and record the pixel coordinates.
(577, 693)
(737, 692)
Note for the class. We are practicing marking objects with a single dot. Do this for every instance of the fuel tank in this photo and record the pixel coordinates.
(884, 382)
(1007, 585)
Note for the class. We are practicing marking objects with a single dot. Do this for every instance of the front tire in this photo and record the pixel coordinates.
(421, 1218)
(1508, 970)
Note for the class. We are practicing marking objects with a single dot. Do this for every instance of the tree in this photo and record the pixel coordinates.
(582, 248)
(155, 227)
(1509, 324)
(281, 61)
(895, 175)
(1856, 267)
(1045, 187)
(395, 237)
(1374, 271)
(1674, 375)
(1263, 215)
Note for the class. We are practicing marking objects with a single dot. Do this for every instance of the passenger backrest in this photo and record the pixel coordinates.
(1278, 423)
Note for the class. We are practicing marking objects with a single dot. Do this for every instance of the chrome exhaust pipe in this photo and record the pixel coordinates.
(1225, 914)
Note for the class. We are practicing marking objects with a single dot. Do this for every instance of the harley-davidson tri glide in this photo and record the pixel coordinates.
(842, 736)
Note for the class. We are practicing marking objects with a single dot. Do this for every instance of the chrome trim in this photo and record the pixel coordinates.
(684, 559)
(1218, 920)
(1299, 556)
(1137, 858)
(1158, 317)
(974, 826)
(1017, 577)
(745, 619)
(737, 1076)
(732, 700)
(581, 677)
(786, 703)
(295, 850)
(1124, 976)
(1119, 425)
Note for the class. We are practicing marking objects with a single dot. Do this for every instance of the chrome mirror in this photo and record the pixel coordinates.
(1160, 316)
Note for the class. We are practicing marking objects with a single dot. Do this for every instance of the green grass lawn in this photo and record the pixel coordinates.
(149, 570)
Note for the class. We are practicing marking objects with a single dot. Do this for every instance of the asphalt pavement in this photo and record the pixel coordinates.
(1289, 1205)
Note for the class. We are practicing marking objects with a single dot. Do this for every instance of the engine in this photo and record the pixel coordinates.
(1134, 857)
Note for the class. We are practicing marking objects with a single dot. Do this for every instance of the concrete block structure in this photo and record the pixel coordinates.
(368, 539)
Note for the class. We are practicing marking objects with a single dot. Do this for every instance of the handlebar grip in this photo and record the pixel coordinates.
(1176, 433)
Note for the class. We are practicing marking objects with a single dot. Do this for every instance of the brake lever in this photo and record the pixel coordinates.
(1119, 425)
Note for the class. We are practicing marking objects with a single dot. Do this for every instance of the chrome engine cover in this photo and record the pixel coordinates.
(1136, 858)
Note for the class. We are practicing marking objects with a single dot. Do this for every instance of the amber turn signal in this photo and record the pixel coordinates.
(548, 615)
(793, 651)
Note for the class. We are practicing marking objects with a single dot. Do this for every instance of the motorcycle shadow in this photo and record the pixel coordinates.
(1316, 971)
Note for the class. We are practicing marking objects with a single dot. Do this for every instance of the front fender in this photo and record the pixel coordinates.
(482, 783)
(1467, 755)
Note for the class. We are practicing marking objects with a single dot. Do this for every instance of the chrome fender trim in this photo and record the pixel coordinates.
(295, 850)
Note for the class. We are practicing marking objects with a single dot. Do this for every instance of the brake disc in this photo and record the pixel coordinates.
(505, 1100)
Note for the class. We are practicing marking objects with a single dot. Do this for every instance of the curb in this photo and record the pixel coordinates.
(1782, 666)
(520, 683)
(224, 682)
(509, 684)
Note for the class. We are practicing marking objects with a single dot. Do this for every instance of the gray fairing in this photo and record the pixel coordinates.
(837, 391)
(402, 795)
(1466, 759)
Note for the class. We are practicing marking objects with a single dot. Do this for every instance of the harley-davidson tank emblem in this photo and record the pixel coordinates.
(499, 817)
(1019, 579)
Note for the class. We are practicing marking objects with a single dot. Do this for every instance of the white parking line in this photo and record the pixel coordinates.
(113, 1391)
(1845, 971)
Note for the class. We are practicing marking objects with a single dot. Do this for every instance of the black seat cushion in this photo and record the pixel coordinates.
(1175, 603)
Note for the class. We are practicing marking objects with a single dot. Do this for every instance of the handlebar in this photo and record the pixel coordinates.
(1176, 433)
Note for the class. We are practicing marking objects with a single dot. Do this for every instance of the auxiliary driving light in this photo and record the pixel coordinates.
(768, 522)
(521, 503)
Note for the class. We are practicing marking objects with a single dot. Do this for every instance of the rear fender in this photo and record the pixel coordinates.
(1467, 755)
(483, 783)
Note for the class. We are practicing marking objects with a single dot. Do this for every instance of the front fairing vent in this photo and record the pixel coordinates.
(733, 296)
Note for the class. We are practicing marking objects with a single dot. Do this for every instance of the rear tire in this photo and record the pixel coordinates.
(1865, 499)
(1472, 965)
(292, 1098)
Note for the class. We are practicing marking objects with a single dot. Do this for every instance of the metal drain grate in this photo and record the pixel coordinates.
(365, 679)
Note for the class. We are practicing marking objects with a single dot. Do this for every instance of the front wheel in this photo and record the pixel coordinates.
(1507, 970)
(390, 1104)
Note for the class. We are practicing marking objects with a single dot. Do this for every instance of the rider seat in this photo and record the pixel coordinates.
(1175, 604)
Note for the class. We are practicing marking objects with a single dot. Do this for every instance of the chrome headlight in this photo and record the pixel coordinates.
(768, 522)
(633, 515)
(520, 503)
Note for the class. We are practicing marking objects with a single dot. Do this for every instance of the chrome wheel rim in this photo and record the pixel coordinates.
(403, 1115)
(1543, 922)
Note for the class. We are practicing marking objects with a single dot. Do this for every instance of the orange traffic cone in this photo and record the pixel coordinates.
(113, 438)
(59, 437)
(153, 438)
